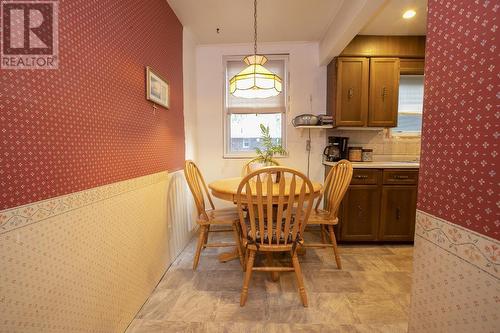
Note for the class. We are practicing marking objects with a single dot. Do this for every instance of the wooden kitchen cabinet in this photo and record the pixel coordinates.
(363, 92)
(361, 208)
(363, 82)
(384, 91)
(351, 100)
(398, 209)
(380, 205)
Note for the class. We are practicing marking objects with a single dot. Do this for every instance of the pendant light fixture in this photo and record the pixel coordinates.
(255, 81)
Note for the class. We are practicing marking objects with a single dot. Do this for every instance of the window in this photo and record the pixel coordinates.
(243, 116)
(411, 100)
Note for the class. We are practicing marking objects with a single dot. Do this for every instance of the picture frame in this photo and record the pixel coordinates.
(157, 88)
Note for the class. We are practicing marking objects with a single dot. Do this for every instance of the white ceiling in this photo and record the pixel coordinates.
(389, 20)
(278, 20)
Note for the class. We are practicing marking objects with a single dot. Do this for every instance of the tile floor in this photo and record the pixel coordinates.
(370, 294)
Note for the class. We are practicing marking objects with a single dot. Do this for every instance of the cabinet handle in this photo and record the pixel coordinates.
(400, 177)
(360, 211)
(361, 176)
(398, 213)
(350, 93)
(384, 93)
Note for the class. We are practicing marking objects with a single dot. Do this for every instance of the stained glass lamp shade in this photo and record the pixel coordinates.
(255, 81)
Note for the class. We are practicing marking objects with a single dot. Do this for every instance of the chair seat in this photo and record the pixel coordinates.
(321, 217)
(224, 216)
(288, 237)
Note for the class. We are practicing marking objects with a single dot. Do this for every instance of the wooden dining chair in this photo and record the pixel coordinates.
(247, 167)
(273, 214)
(333, 192)
(207, 217)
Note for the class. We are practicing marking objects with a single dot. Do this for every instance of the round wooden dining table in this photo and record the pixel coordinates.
(227, 188)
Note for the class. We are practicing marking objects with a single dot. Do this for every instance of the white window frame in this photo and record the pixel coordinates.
(226, 116)
(407, 134)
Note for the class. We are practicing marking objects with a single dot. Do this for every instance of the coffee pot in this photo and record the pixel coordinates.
(336, 149)
(332, 152)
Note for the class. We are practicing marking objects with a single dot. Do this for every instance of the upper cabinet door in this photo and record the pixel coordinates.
(352, 92)
(384, 88)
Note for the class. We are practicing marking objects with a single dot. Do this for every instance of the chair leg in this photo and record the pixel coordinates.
(201, 241)
(300, 279)
(335, 249)
(206, 236)
(237, 239)
(323, 234)
(248, 275)
(269, 258)
(245, 260)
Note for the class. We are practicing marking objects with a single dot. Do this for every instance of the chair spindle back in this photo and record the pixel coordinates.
(335, 187)
(276, 210)
(198, 188)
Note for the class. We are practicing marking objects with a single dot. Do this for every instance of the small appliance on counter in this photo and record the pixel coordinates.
(305, 120)
(332, 152)
(336, 149)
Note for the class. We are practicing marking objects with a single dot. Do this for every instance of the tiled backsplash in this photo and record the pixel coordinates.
(385, 147)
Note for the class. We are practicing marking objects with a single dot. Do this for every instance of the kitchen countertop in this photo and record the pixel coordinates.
(381, 165)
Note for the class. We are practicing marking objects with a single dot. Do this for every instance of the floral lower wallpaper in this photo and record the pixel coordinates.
(456, 279)
(88, 123)
(456, 275)
(87, 261)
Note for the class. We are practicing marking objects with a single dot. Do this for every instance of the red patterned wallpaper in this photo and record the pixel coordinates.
(459, 173)
(88, 123)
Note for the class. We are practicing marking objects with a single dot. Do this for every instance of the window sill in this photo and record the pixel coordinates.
(236, 156)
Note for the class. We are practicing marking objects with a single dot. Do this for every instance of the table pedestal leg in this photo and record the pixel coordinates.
(227, 256)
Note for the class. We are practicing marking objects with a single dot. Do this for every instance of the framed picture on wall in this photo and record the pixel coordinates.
(157, 88)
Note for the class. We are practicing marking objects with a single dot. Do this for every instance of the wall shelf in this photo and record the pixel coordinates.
(314, 126)
(360, 128)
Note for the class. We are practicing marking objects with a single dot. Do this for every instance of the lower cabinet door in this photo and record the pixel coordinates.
(397, 218)
(360, 215)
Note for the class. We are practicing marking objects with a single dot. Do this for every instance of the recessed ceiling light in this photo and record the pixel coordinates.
(409, 14)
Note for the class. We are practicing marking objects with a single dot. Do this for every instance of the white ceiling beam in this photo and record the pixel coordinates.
(347, 23)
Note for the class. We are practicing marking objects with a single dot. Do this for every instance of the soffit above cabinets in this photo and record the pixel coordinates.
(389, 21)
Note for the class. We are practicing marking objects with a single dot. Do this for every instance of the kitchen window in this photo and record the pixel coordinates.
(410, 105)
(242, 116)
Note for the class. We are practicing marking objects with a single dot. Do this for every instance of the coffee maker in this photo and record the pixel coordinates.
(336, 149)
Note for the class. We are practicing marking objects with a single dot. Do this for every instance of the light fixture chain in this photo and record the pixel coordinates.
(255, 26)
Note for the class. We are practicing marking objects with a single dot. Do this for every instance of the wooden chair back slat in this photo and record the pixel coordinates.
(281, 202)
(198, 188)
(289, 211)
(251, 213)
(269, 206)
(336, 185)
(272, 201)
(300, 214)
(260, 210)
(247, 169)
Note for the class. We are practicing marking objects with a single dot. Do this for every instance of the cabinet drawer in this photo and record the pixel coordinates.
(408, 177)
(365, 177)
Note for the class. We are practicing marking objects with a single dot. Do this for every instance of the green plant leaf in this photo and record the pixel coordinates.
(269, 149)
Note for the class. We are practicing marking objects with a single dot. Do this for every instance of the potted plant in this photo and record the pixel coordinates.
(268, 151)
